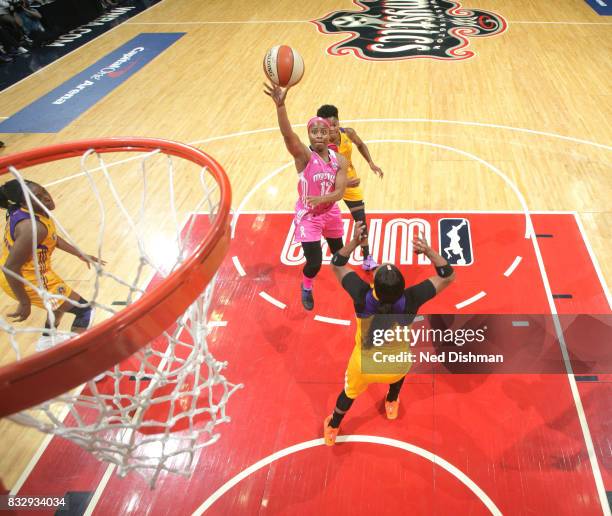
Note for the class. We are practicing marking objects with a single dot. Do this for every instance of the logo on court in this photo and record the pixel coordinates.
(405, 29)
(456, 241)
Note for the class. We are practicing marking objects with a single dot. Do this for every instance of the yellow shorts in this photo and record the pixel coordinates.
(353, 194)
(52, 283)
(356, 382)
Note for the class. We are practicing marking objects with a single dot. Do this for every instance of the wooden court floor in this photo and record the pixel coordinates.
(529, 112)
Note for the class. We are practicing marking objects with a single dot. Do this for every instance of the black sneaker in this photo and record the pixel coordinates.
(307, 299)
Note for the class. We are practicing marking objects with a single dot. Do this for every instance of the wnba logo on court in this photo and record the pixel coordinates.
(406, 29)
(390, 241)
(456, 241)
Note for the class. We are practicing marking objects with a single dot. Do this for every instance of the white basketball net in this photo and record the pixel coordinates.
(154, 411)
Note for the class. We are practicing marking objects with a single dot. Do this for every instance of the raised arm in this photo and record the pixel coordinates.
(445, 273)
(363, 149)
(299, 151)
(70, 249)
(341, 257)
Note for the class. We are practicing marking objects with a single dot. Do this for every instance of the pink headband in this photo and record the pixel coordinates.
(317, 119)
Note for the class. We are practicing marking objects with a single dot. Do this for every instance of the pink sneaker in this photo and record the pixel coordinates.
(369, 263)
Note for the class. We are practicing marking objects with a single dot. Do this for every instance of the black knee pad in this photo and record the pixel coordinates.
(314, 258)
(82, 315)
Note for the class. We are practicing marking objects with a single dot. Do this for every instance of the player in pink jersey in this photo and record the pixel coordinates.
(322, 181)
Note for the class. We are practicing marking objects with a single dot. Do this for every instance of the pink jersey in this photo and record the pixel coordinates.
(318, 178)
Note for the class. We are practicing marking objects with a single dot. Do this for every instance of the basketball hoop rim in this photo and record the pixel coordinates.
(48, 374)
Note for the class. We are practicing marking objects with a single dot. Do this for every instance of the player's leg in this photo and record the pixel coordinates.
(357, 209)
(308, 232)
(335, 244)
(333, 229)
(83, 314)
(331, 425)
(392, 399)
(314, 259)
(354, 385)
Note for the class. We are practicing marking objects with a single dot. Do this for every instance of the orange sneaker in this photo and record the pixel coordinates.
(392, 409)
(329, 433)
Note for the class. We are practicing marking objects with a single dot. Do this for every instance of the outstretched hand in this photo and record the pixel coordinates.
(89, 258)
(21, 313)
(277, 93)
(377, 170)
(420, 245)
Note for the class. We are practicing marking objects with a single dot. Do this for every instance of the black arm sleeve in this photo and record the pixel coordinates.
(357, 289)
(419, 294)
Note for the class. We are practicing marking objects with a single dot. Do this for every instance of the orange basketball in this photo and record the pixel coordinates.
(283, 65)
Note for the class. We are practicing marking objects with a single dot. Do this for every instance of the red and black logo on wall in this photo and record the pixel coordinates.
(406, 29)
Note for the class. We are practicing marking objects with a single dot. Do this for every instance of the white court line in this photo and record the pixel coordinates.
(217, 324)
(99, 490)
(272, 300)
(79, 48)
(41, 449)
(420, 121)
(520, 324)
(331, 320)
(481, 124)
(137, 156)
(513, 266)
(471, 300)
(238, 266)
(411, 448)
(495, 170)
(600, 275)
(586, 433)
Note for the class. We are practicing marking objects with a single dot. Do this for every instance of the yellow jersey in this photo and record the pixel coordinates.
(50, 280)
(43, 250)
(346, 149)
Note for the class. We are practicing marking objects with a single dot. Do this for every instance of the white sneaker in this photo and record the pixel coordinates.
(48, 341)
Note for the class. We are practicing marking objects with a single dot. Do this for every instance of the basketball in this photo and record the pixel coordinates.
(283, 66)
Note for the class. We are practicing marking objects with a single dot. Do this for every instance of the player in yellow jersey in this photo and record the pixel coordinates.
(16, 257)
(382, 307)
(342, 140)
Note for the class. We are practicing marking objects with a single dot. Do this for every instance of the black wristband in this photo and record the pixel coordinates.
(338, 260)
(444, 271)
